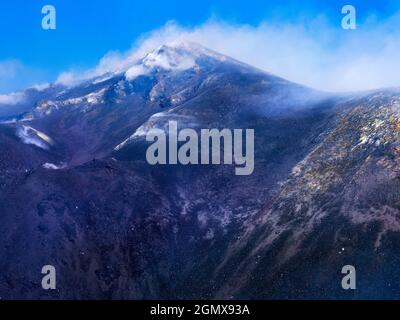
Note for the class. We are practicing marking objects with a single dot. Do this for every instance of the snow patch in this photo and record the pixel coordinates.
(46, 107)
(160, 121)
(141, 131)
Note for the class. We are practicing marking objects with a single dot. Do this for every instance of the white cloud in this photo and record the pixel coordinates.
(12, 98)
(111, 62)
(314, 52)
(9, 68)
(14, 75)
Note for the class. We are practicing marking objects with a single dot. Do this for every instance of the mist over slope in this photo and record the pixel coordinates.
(76, 191)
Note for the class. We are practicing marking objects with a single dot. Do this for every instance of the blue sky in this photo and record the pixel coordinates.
(88, 29)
